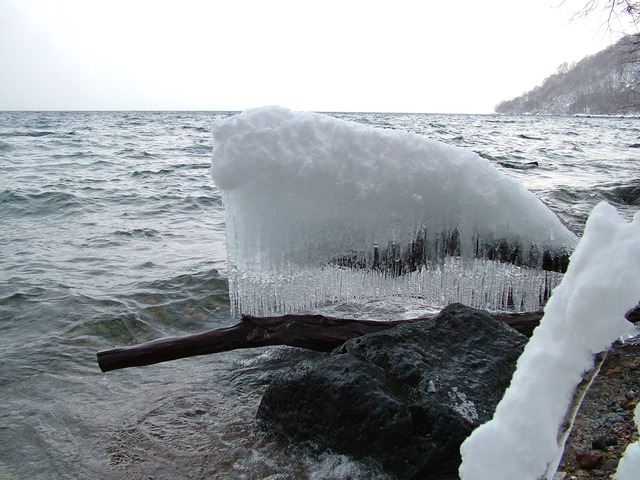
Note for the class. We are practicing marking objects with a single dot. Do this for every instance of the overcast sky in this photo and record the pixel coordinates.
(460, 56)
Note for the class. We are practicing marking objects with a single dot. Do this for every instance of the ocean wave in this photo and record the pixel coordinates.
(568, 195)
(505, 120)
(626, 194)
(195, 166)
(118, 328)
(40, 203)
(20, 297)
(197, 128)
(148, 173)
(28, 133)
(125, 151)
(172, 169)
(529, 137)
(138, 232)
(74, 155)
(618, 194)
(574, 204)
(199, 203)
(117, 238)
(209, 280)
(141, 155)
(102, 163)
(184, 303)
(519, 165)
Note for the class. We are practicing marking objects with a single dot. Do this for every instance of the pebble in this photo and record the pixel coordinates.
(605, 422)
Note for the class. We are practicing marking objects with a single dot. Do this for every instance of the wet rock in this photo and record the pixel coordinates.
(589, 459)
(601, 442)
(610, 465)
(633, 315)
(405, 397)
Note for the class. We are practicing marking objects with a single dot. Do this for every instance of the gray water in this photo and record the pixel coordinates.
(112, 233)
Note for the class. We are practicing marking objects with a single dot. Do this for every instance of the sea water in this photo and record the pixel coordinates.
(112, 233)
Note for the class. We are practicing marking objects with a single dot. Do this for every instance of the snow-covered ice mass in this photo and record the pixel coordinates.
(583, 317)
(321, 210)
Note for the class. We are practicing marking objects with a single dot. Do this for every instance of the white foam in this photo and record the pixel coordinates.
(584, 316)
(304, 191)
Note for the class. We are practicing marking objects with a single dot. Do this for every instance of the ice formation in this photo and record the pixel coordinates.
(584, 316)
(322, 210)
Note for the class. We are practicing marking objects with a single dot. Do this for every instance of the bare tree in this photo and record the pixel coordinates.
(615, 10)
(621, 16)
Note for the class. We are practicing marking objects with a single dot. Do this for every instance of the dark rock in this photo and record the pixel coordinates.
(589, 459)
(633, 315)
(610, 465)
(406, 397)
(601, 442)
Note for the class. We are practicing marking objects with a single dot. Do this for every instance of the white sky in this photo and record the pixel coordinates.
(460, 56)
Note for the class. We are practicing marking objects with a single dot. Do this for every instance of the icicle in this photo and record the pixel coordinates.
(479, 283)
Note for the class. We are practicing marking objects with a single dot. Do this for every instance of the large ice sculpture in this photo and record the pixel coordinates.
(585, 315)
(322, 210)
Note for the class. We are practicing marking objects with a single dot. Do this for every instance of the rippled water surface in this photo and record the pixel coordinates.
(112, 233)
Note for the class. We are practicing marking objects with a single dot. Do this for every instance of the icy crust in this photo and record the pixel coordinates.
(584, 316)
(305, 190)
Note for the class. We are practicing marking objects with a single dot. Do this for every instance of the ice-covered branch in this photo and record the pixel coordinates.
(584, 316)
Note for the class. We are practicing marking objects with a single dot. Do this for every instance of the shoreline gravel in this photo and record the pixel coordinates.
(604, 425)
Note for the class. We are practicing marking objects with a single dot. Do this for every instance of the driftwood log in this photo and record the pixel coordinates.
(314, 332)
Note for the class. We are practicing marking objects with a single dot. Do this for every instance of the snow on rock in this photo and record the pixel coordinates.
(629, 466)
(584, 316)
(311, 200)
